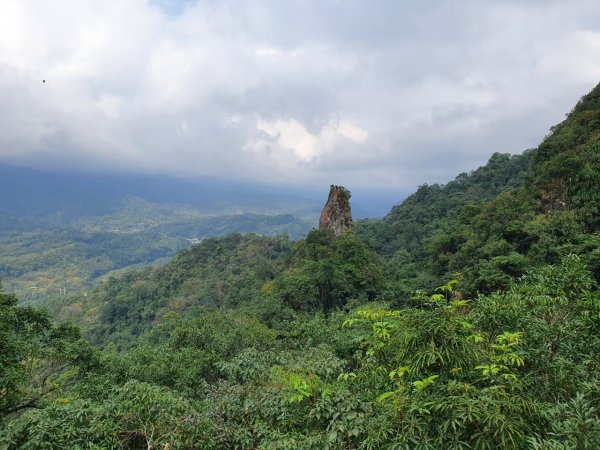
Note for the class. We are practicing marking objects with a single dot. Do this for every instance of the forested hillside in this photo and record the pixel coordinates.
(56, 253)
(493, 224)
(468, 318)
(405, 237)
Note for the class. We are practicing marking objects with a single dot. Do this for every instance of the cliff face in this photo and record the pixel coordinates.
(336, 215)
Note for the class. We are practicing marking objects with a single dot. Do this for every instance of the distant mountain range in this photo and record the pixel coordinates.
(27, 192)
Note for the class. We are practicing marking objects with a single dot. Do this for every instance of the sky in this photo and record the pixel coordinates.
(372, 95)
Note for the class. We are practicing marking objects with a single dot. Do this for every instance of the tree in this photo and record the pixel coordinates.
(37, 359)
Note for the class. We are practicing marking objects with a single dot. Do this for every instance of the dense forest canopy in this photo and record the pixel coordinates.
(467, 318)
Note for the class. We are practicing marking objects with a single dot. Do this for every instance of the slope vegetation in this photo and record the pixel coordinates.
(515, 212)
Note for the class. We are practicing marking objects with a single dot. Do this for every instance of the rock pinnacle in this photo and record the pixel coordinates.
(336, 214)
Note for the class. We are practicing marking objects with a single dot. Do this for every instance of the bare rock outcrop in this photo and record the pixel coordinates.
(336, 215)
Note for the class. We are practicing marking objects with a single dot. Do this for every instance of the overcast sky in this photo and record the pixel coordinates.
(377, 94)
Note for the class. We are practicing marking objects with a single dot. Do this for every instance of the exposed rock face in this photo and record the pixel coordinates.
(336, 215)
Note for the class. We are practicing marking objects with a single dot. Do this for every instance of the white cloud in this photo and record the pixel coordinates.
(386, 94)
(289, 135)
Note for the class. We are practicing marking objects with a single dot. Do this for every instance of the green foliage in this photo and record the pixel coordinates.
(512, 370)
(328, 272)
(217, 273)
(572, 425)
(135, 415)
(37, 359)
(420, 236)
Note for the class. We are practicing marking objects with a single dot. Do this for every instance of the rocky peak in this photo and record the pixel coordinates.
(336, 215)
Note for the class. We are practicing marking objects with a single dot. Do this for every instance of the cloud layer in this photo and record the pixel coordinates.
(388, 94)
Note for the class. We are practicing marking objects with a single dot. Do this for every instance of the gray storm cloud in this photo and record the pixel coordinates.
(386, 94)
